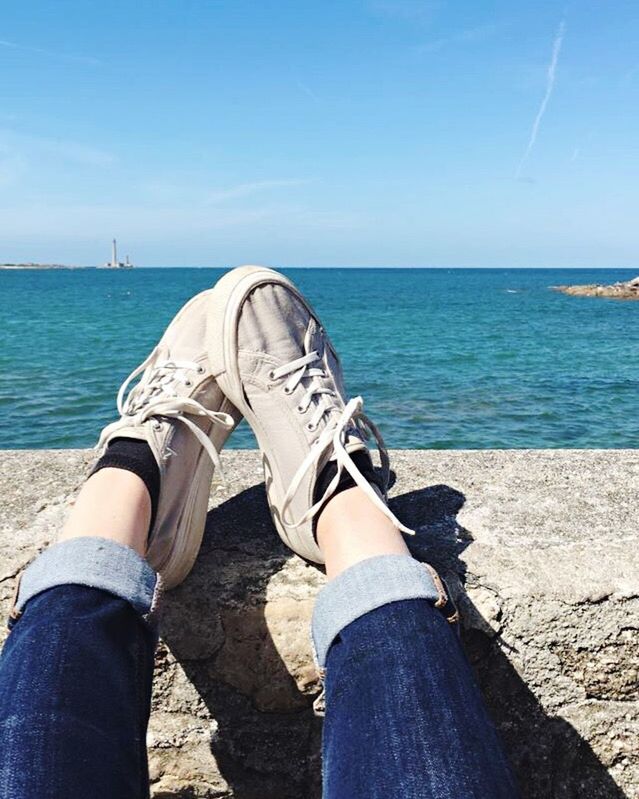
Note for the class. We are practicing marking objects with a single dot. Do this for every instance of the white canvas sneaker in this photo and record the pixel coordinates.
(180, 411)
(278, 367)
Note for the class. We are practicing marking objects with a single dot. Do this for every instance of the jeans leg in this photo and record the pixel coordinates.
(404, 716)
(75, 676)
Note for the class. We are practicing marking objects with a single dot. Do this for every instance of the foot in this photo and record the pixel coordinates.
(278, 367)
(179, 410)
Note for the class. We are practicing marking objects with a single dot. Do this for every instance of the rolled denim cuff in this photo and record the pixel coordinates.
(94, 562)
(363, 587)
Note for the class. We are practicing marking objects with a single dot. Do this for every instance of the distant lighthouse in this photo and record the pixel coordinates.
(114, 263)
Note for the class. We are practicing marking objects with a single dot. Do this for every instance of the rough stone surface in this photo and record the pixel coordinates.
(625, 290)
(540, 546)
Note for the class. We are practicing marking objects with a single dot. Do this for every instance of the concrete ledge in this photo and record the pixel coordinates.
(542, 548)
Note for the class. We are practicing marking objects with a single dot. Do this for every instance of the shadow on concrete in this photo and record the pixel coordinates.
(550, 758)
(267, 743)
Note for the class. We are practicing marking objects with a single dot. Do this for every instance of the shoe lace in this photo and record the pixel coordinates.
(156, 396)
(305, 368)
(334, 436)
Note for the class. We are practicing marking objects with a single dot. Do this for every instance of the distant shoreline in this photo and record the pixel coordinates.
(488, 269)
(43, 266)
(59, 267)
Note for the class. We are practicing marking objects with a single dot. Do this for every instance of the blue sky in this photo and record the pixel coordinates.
(355, 133)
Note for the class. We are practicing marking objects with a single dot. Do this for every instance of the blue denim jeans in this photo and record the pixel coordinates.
(404, 718)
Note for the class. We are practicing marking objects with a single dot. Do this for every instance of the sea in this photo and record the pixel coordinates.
(444, 358)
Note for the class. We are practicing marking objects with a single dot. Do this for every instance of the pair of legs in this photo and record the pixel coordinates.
(404, 717)
(349, 528)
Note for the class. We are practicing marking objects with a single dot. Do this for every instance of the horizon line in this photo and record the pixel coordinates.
(35, 266)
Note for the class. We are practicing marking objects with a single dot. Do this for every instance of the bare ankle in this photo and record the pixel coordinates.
(115, 504)
(351, 528)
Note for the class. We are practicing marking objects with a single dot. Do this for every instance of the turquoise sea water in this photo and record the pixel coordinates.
(444, 358)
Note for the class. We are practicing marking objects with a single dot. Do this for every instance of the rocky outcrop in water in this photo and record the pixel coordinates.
(627, 290)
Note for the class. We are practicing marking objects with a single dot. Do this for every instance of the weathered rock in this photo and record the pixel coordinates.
(541, 548)
(626, 290)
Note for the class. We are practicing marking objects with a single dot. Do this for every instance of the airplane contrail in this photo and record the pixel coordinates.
(550, 83)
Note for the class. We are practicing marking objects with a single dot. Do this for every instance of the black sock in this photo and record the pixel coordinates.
(134, 456)
(364, 464)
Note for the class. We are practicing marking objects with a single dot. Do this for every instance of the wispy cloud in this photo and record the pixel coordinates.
(56, 221)
(465, 36)
(12, 166)
(243, 190)
(77, 222)
(409, 10)
(83, 154)
(630, 75)
(80, 59)
(308, 91)
(582, 146)
(199, 190)
(550, 84)
(35, 148)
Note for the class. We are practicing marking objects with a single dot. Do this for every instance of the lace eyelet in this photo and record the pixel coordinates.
(188, 383)
(271, 374)
(200, 370)
(288, 390)
(311, 427)
(157, 426)
(301, 409)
